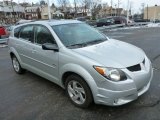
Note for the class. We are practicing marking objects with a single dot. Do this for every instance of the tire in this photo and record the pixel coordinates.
(16, 65)
(78, 91)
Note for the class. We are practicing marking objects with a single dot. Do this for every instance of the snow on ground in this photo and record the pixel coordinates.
(3, 45)
(153, 25)
(137, 27)
(127, 28)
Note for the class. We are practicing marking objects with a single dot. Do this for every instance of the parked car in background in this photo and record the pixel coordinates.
(3, 34)
(119, 20)
(141, 20)
(105, 21)
(83, 19)
(86, 63)
(113, 20)
(87, 20)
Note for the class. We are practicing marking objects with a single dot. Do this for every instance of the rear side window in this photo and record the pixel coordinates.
(16, 32)
(27, 33)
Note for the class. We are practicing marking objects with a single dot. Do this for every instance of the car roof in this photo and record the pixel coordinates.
(52, 22)
(59, 22)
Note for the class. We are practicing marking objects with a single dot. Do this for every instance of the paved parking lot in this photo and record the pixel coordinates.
(30, 97)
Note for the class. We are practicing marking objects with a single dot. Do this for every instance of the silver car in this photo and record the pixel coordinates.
(87, 64)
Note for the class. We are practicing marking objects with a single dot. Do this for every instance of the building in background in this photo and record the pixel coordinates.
(152, 13)
(10, 12)
(33, 12)
(110, 11)
(58, 14)
(44, 11)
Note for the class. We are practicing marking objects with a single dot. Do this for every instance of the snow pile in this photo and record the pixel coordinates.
(126, 28)
(153, 25)
(3, 45)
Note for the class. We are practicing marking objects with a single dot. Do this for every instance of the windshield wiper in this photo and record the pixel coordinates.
(86, 43)
(95, 41)
(77, 45)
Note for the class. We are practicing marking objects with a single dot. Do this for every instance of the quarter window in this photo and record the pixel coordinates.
(43, 35)
(16, 32)
(27, 33)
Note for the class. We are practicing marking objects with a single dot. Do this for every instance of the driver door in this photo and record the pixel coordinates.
(45, 61)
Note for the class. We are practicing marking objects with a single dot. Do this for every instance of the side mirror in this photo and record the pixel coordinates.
(49, 46)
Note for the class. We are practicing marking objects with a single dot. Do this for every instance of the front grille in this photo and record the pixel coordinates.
(134, 68)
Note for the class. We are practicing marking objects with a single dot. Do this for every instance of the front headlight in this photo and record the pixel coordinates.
(111, 73)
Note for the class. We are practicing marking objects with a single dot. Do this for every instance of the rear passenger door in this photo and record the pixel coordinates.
(46, 61)
(24, 39)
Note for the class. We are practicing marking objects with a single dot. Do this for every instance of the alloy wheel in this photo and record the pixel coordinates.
(16, 64)
(76, 92)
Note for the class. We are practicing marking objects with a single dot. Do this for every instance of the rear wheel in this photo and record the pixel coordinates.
(16, 65)
(78, 91)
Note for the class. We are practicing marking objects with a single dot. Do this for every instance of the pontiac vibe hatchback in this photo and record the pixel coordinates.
(87, 64)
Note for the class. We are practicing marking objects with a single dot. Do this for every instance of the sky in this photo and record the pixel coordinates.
(136, 4)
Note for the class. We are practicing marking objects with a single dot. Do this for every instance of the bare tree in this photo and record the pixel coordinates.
(75, 8)
(63, 4)
(85, 5)
(42, 2)
(95, 7)
(13, 11)
(64, 7)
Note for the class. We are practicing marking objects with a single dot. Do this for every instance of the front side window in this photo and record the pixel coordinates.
(78, 34)
(43, 35)
(27, 33)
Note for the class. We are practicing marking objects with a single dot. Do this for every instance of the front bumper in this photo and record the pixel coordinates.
(136, 87)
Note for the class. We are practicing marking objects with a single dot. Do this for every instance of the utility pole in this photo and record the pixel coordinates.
(130, 9)
(155, 11)
(127, 11)
(143, 10)
(75, 6)
(111, 7)
(49, 10)
(118, 8)
(147, 12)
(115, 10)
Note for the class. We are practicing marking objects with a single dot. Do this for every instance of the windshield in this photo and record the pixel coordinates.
(78, 35)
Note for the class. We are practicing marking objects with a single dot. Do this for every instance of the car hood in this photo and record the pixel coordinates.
(113, 53)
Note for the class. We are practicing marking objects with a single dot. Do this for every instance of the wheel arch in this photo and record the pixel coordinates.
(71, 69)
(13, 52)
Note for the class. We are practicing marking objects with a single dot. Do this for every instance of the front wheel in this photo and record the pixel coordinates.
(78, 91)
